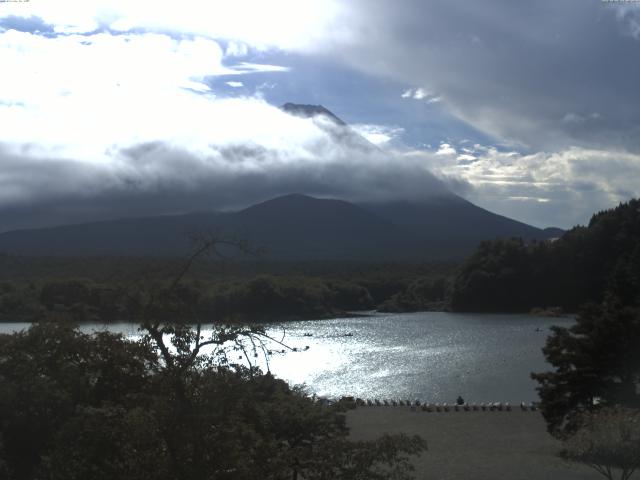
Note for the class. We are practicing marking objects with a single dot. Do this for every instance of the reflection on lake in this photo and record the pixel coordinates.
(431, 356)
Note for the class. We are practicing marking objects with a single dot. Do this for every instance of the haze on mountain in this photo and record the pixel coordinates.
(441, 225)
(293, 227)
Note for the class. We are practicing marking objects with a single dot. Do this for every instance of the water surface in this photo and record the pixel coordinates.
(432, 356)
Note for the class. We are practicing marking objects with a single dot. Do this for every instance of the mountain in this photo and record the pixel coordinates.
(335, 127)
(296, 227)
(310, 111)
(299, 227)
(292, 227)
(451, 226)
(553, 232)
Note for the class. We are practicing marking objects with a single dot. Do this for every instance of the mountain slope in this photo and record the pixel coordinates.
(309, 111)
(298, 227)
(292, 227)
(452, 226)
(148, 236)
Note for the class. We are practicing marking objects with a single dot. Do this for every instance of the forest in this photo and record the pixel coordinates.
(582, 266)
(109, 290)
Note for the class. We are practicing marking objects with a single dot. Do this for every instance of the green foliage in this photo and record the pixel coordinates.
(268, 297)
(607, 440)
(581, 266)
(597, 363)
(95, 290)
(48, 372)
(105, 443)
(425, 293)
(77, 406)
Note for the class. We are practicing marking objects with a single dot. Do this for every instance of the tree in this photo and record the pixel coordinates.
(51, 373)
(607, 440)
(597, 363)
(580, 267)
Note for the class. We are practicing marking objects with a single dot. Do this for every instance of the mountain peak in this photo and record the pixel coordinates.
(309, 111)
(297, 201)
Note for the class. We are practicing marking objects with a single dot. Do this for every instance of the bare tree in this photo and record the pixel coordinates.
(607, 441)
(173, 321)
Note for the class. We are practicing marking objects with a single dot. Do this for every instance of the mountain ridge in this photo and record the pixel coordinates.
(292, 227)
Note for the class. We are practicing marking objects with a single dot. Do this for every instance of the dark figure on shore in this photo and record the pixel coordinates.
(459, 400)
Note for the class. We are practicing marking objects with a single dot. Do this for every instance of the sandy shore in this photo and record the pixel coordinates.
(473, 445)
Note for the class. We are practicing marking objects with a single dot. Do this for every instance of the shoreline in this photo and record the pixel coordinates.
(330, 316)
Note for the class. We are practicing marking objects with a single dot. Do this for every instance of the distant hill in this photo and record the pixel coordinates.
(149, 236)
(292, 227)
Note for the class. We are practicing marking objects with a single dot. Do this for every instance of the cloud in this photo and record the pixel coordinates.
(558, 188)
(102, 126)
(39, 70)
(79, 95)
(628, 15)
(280, 154)
(378, 134)
(284, 24)
(465, 158)
(577, 119)
(112, 108)
(247, 67)
(512, 70)
(446, 150)
(421, 94)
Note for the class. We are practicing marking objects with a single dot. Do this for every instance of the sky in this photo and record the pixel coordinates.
(119, 108)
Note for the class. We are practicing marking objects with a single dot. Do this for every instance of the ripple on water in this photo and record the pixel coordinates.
(433, 356)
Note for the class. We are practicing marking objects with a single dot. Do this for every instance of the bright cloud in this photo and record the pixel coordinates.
(287, 24)
(129, 124)
(378, 134)
(446, 150)
(421, 94)
(81, 95)
(549, 188)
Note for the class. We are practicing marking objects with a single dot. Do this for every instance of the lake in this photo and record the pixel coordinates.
(431, 356)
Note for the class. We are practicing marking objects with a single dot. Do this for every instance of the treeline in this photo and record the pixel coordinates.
(222, 292)
(262, 298)
(582, 266)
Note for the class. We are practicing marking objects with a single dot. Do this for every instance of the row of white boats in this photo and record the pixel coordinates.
(443, 407)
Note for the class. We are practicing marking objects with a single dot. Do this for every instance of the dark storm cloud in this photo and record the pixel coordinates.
(547, 74)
